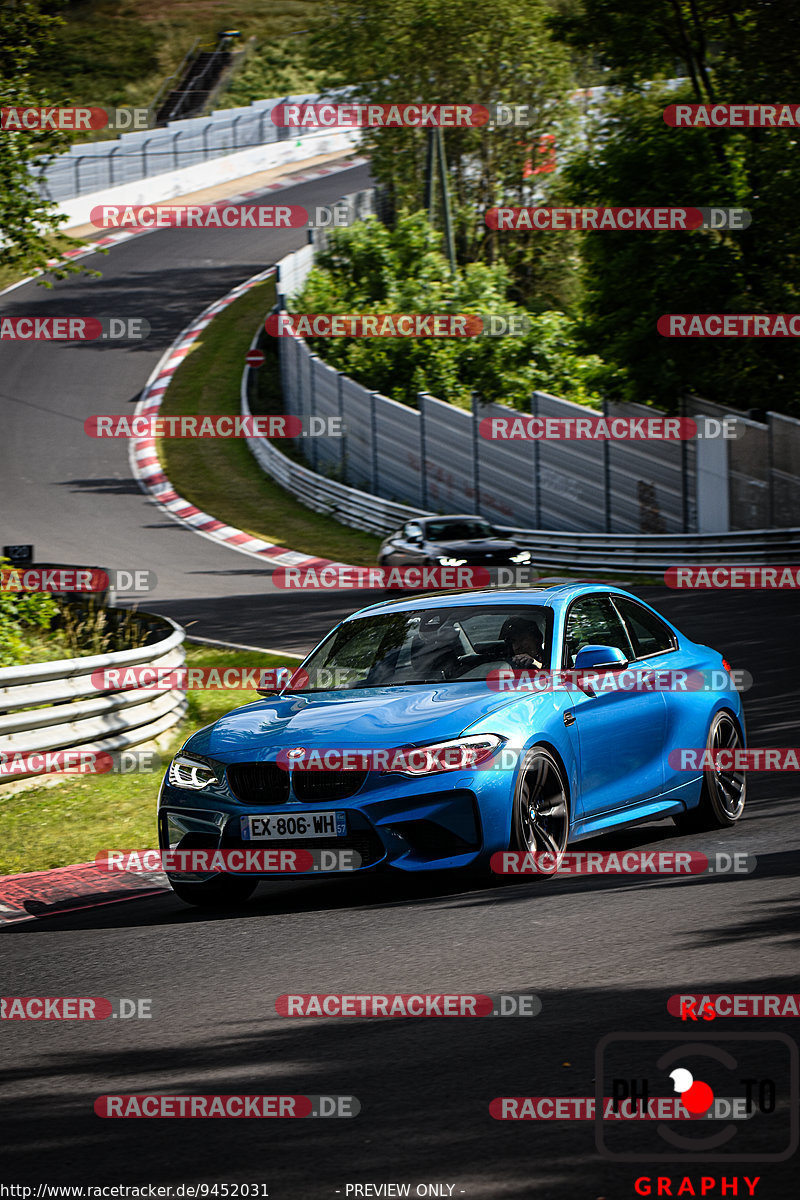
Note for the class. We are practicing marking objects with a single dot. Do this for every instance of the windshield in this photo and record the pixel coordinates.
(435, 645)
(457, 531)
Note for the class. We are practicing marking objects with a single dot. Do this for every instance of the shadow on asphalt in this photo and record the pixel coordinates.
(424, 1086)
(469, 889)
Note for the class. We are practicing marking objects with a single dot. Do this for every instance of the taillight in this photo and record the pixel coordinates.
(727, 665)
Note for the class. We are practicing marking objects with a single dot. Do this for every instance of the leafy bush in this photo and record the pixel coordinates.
(21, 615)
(368, 268)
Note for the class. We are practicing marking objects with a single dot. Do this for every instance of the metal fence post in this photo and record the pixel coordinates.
(770, 472)
(476, 494)
(537, 499)
(312, 407)
(606, 472)
(373, 440)
(684, 468)
(342, 426)
(423, 473)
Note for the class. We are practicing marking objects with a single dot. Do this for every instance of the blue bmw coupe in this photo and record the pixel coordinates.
(436, 752)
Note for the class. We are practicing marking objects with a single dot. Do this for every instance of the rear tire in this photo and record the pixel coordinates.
(227, 891)
(722, 797)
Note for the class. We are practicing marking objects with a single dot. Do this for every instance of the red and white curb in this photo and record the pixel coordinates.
(124, 235)
(149, 473)
(60, 890)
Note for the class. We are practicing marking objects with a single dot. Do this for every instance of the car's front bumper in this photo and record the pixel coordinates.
(436, 822)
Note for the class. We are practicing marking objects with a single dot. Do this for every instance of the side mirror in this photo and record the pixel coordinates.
(589, 658)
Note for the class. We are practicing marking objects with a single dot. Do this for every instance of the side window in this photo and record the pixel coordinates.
(649, 633)
(412, 530)
(591, 621)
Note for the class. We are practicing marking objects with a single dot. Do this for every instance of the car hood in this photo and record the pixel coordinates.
(365, 718)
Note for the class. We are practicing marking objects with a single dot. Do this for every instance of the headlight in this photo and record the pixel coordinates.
(187, 772)
(524, 556)
(460, 754)
(452, 562)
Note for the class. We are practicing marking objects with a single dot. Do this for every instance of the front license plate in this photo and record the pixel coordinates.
(279, 827)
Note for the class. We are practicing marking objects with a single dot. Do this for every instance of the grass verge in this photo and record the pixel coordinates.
(47, 827)
(220, 475)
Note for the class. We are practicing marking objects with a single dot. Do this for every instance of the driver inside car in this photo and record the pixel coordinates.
(524, 639)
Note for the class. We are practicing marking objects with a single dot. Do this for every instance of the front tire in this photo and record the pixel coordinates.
(723, 793)
(227, 891)
(540, 816)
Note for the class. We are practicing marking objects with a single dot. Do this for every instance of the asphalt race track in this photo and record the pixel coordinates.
(603, 954)
(73, 497)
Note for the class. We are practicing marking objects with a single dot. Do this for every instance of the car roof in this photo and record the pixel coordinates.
(447, 517)
(550, 595)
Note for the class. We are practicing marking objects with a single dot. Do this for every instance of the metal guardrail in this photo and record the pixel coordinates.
(88, 167)
(346, 504)
(651, 554)
(55, 705)
(628, 553)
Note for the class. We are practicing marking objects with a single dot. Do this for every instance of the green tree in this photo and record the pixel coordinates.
(28, 222)
(727, 53)
(424, 51)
